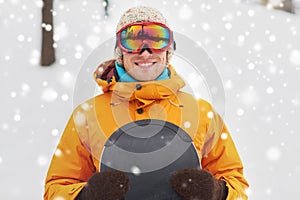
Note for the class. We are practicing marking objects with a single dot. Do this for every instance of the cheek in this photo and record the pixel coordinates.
(163, 58)
(127, 61)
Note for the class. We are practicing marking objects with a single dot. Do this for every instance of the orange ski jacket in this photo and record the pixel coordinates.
(78, 153)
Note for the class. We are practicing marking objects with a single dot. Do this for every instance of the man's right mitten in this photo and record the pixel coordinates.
(106, 185)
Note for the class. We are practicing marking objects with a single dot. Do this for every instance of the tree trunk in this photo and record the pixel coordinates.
(47, 53)
(287, 5)
(106, 7)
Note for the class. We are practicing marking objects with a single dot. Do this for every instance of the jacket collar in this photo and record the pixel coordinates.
(145, 92)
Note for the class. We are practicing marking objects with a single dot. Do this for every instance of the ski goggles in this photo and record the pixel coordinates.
(137, 36)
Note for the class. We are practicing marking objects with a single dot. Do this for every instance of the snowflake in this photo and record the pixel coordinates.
(185, 13)
(135, 170)
(273, 154)
(17, 117)
(49, 94)
(295, 57)
(240, 112)
(54, 132)
(21, 38)
(270, 90)
(42, 160)
(187, 124)
(64, 97)
(25, 89)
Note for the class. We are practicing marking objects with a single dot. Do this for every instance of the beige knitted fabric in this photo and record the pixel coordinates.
(140, 14)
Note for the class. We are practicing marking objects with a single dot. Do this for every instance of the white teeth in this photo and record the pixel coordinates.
(145, 64)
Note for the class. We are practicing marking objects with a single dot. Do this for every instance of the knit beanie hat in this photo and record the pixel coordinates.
(140, 14)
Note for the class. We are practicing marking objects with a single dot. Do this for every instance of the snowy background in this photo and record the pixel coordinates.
(256, 51)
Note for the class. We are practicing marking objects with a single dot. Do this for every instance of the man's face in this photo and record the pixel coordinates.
(145, 66)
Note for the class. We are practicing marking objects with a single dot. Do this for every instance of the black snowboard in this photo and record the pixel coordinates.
(149, 151)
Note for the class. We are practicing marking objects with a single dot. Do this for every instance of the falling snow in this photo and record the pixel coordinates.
(135, 170)
(205, 26)
(251, 66)
(65, 97)
(49, 94)
(249, 96)
(42, 160)
(295, 57)
(63, 61)
(58, 153)
(270, 90)
(240, 112)
(255, 50)
(79, 119)
(224, 136)
(185, 13)
(17, 117)
(210, 114)
(54, 132)
(273, 154)
(92, 41)
(59, 198)
(85, 106)
(34, 57)
(67, 79)
(187, 124)
(228, 26)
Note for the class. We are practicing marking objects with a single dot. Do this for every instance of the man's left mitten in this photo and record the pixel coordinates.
(198, 184)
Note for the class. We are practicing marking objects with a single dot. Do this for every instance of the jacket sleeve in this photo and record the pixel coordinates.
(221, 158)
(70, 168)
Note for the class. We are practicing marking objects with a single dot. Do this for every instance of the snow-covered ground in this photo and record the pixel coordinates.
(255, 50)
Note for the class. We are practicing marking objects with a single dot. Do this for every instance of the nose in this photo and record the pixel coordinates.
(145, 53)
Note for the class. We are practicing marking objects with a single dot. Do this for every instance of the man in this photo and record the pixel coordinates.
(140, 84)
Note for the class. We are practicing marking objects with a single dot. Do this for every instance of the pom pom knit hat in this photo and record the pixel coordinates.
(140, 14)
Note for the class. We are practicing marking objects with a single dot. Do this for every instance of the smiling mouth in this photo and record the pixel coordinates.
(145, 64)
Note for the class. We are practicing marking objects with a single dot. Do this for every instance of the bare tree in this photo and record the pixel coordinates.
(48, 53)
(106, 7)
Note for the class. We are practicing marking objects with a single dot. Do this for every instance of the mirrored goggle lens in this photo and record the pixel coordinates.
(155, 36)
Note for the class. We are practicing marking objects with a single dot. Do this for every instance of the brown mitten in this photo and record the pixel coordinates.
(198, 184)
(107, 185)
